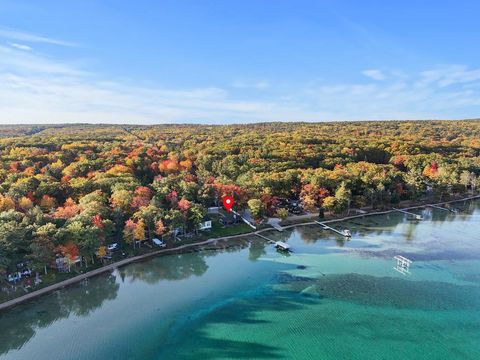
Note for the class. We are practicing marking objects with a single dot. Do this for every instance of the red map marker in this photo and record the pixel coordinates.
(228, 202)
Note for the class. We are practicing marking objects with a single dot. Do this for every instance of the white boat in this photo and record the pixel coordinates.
(280, 245)
(347, 233)
(159, 242)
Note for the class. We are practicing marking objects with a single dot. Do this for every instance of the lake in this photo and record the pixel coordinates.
(329, 299)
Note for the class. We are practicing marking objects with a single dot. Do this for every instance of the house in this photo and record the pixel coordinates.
(63, 264)
(179, 231)
(205, 224)
(295, 207)
(213, 210)
(229, 219)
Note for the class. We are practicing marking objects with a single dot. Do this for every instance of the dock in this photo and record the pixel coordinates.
(279, 245)
(416, 216)
(345, 233)
(274, 222)
(270, 241)
(442, 208)
(244, 220)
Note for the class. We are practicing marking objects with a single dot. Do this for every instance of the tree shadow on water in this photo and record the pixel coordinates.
(194, 341)
(21, 323)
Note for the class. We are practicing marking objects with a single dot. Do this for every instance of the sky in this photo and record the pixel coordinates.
(225, 61)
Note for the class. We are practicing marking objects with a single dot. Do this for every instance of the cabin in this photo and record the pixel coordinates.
(179, 231)
(295, 207)
(280, 245)
(63, 264)
(213, 210)
(229, 219)
(205, 224)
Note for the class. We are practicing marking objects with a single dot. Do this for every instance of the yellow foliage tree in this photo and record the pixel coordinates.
(282, 213)
(25, 203)
(139, 233)
(329, 203)
(102, 252)
(6, 203)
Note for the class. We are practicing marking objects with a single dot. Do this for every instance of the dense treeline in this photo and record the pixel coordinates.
(73, 189)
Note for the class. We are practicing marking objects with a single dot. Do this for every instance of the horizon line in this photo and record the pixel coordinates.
(243, 123)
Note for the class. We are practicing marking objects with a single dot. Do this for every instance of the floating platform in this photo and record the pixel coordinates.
(403, 264)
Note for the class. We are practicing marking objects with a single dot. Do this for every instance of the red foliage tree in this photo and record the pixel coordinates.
(184, 205)
(172, 198)
(97, 221)
(270, 204)
(142, 197)
(69, 210)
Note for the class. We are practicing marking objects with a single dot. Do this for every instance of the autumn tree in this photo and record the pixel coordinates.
(42, 246)
(281, 213)
(25, 203)
(139, 233)
(129, 232)
(342, 199)
(148, 214)
(47, 203)
(160, 228)
(256, 209)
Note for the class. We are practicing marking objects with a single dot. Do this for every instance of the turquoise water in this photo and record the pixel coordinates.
(330, 299)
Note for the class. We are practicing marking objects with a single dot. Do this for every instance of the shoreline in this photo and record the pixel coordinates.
(65, 283)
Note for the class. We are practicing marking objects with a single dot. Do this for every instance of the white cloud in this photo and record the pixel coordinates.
(21, 46)
(374, 74)
(449, 75)
(27, 37)
(13, 60)
(36, 88)
(439, 96)
(260, 85)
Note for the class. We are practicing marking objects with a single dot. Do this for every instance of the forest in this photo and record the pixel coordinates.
(70, 190)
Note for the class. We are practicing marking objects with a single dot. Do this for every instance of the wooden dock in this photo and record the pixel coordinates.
(441, 208)
(270, 241)
(244, 220)
(279, 245)
(326, 227)
(417, 217)
(273, 222)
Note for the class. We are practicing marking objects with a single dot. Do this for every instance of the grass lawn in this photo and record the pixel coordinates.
(219, 230)
(306, 219)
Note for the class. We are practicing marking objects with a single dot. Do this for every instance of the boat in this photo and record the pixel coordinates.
(347, 233)
(280, 245)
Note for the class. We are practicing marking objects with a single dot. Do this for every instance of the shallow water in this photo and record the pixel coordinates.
(330, 299)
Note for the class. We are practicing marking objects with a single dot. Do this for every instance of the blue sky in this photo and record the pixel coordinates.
(237, 61)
